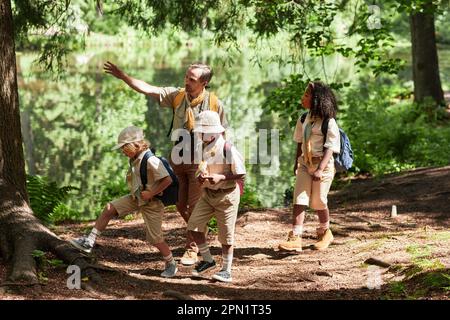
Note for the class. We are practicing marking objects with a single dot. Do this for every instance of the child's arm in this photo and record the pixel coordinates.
(216, 178)
(160, 187)
(317, 175)
(297, 154)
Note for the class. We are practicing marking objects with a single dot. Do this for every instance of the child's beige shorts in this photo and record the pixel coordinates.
(152, 213)
(313, 193)
(224, 205)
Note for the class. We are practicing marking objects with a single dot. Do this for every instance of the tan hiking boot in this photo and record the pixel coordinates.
(190, 256)
(325, 239)
(293, 243)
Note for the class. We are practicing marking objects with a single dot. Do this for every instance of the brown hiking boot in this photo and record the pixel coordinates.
(325, 239)
(293, 243)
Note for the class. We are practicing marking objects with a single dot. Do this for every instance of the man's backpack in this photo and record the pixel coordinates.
(344, 159)
(213, 105)
(240, 182)
(170, 195)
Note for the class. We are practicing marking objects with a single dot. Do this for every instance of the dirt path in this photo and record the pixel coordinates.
(415, 245)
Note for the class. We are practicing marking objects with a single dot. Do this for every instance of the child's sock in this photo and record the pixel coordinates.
(297, 230)
(226, 263)
(206, 254)
(93, 235)
(324, 225)
(169, 259)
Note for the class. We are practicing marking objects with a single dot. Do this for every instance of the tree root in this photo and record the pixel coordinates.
(376, 262)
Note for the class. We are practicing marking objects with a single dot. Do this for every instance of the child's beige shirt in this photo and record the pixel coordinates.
(213, 155)
(317, 139)
(155, 172)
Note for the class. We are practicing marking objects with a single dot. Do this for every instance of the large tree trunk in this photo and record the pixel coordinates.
(427, 82)
(20, 232)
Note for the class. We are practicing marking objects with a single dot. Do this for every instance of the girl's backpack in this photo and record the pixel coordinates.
(344, 159)
(170, 195)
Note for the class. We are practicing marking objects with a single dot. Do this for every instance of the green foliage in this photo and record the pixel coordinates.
(55, 29)
(421, 285)
(397, 288)
(113, 188)
(44, 263)
(251, 198)
(75, 121)
(438, 280)
(421, 261)
(46, 199)
(389, 134)
(285, 100)
(212, 226)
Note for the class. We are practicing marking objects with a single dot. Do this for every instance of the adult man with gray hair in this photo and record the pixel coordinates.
(187, 103)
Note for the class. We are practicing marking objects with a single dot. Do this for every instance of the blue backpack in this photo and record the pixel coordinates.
(344, 159)
(170, 195)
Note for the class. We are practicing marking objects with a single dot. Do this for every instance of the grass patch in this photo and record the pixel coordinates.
(377, 244)
(440, 236)
(421, 285)
(419, 251)
(397, 288)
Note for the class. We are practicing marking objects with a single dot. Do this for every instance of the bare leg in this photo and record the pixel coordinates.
(227, 249)
(199, 237)
(163, 248)
(193, 195)
(109, 212)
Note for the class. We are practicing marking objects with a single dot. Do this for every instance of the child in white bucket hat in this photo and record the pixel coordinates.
(222, 166)
(132, 143)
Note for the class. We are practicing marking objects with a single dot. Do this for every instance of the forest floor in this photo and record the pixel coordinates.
(414, 248)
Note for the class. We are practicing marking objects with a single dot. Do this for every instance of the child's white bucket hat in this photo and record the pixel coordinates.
(208, 122)
(127, 135)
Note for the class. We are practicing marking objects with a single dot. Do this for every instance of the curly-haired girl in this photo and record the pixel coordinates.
(314, 164)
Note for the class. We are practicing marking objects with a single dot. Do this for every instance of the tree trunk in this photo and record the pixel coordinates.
(20, 232)
(12, 165)
(425, 65)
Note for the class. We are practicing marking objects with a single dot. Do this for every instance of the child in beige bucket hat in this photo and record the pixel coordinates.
(132, 143)
(218, 173)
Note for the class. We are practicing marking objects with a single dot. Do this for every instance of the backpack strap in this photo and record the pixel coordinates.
(303, 117)
(226, 148)
(143, 168)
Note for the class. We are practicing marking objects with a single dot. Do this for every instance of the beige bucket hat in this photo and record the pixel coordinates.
(127, 135)
(208, 122)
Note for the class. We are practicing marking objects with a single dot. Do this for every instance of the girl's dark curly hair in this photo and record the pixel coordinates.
(323, 100)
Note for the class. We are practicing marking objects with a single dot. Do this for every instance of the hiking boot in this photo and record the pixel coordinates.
(223, 276)
(293, 243)
(325, 239)
(189, 258)
(202, 267)
(170, 270)
(82, 243)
